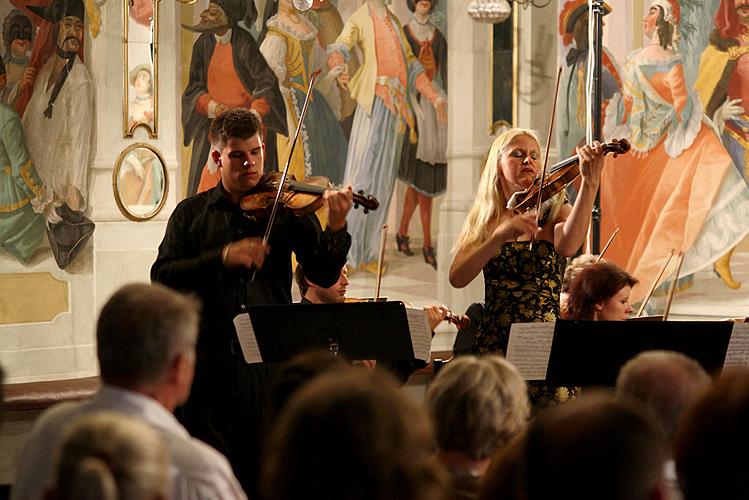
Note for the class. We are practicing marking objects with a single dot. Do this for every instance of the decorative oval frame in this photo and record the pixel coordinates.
(115, 183)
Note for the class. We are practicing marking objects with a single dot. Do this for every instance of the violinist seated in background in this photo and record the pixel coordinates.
(213, 249)
(336, 294)
(521, 282)
(600, 292)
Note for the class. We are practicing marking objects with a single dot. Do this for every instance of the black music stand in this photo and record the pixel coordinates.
(358, 331)
(590, 353)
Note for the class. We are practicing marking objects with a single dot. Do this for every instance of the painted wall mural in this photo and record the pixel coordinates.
(679, 96)
(47, 120)
(377, 114)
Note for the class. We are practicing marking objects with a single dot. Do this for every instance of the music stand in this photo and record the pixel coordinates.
(587, 353)
(359, 331)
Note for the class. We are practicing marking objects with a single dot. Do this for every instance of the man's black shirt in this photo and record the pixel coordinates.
(190, 259)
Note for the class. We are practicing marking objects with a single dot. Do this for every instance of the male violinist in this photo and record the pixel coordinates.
(213, 249)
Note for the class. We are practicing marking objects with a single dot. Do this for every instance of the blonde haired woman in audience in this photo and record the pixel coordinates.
(476, 405)
(108, 455)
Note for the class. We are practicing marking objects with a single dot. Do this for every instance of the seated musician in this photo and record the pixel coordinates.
(600, 292)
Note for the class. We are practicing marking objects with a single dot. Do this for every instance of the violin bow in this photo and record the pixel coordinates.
(381, 260)
(655, 284)
(282, 182)
(672, 288)
(606, 246)
(546, 153)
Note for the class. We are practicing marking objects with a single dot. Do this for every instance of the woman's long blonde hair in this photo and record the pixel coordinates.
(490, 199)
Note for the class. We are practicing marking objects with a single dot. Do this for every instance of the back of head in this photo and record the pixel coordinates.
(351, 436)
(617, 444)
(595, 283)
(296, 373)
(141, 329)
(477, 404)
(665, 381)
(713, 439)
(111, 456)
(575, 266)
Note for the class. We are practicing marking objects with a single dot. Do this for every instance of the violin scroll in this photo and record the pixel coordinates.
(367, 202)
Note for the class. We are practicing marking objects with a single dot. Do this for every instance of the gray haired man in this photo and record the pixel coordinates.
(146, 338)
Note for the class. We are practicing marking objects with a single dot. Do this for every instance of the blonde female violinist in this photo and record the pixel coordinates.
(521, 281)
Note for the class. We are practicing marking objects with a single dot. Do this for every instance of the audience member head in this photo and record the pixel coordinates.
(477, 405)
(297, 372)
(665, 381)
(600, 292)
(713, 439)
(351, 436)
(146, 341)
(592, 448)
(334, 294)
(109, 455)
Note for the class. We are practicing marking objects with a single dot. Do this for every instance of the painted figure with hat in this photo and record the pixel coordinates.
(58, 122)
(18, 35)
(678, 187)
(571, 110)
(227, 71)
(723, 85)
(423, 166)
(293, 52)
(21, 227)
(383, 88)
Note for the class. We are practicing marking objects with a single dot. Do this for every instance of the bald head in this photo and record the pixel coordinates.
(665, 381)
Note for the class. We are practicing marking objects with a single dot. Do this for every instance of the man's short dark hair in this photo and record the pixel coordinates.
(141, 330)
(239, 123)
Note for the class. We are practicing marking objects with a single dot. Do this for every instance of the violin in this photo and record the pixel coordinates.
(302, 197)
(559, 176)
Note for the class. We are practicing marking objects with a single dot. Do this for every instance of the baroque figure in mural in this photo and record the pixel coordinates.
(723, 85)
(423, 165)
(678, 188)
(58, 124)
(141, 107)
(21, 227)
(227, 71)
(292, 50)
(382, 88)
(18, 35)
(327, 19)
(571, 110)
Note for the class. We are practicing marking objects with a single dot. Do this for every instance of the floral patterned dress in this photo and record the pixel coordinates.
(522, 285)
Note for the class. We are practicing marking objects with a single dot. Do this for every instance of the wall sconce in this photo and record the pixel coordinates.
(496, 11)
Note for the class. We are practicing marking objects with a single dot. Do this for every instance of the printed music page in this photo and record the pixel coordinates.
(737, 355)
(247, 339)
(529, 348)
(421, 334)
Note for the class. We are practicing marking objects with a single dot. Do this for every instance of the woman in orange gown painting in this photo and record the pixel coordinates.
(677, 189)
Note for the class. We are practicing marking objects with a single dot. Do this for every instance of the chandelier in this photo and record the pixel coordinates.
(496, 11)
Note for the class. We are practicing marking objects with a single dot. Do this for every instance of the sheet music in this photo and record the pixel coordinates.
(421, 334)
(529, 348)
(737, 355)
(247, 339)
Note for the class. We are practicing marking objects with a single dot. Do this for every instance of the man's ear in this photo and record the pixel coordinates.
(216, 157)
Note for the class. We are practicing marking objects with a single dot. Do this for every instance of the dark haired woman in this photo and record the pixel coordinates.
(600, 292)
(677, 188)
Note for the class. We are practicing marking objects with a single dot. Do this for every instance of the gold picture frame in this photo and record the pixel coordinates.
(141, 69)
(140, 182)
